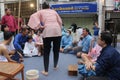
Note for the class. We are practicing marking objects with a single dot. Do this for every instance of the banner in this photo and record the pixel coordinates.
(117, 6)
(75, 8)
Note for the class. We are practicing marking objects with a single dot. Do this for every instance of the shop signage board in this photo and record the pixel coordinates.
(75, 8)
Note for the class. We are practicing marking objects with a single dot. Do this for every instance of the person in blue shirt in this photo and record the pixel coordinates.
(108, 63)
(66, 42)
(20, 40)
(84, 46)
(86, 41)
(96, 30)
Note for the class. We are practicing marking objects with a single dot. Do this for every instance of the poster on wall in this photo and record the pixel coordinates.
(117, 6)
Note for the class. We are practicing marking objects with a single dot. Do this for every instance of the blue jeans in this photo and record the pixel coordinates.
(16, 57)
(86, 73)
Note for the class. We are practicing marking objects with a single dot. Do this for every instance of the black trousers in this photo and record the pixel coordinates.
(47, 46)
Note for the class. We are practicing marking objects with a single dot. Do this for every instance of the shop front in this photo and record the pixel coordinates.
(83, 14)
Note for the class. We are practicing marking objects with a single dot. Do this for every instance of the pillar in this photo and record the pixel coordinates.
(101, 14)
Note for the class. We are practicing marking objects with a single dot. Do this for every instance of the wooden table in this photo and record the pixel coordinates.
(9, 69)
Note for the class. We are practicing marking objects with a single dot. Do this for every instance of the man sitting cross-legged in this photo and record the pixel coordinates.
(84, 44)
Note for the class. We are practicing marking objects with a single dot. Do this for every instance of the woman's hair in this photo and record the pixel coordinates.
(7, 35)
(107, 37)
(74, 27)
(3, 27)
(45, 5)
(29, 37)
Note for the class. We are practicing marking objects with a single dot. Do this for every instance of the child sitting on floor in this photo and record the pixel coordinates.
(30, 48)
(39, 42)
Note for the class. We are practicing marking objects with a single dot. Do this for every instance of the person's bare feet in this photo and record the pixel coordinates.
(44, 73)
(55, 68)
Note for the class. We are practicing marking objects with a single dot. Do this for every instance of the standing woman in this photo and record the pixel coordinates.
(51, 23)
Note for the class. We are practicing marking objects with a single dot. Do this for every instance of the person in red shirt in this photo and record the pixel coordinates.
(9, 20)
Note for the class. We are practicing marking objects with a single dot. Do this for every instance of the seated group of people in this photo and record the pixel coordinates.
(98, 60)
(101, 61)
(68, 45)
(25, 43)
(31, 44)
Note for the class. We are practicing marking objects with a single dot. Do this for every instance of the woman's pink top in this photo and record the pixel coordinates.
(95, 52)
(47, 19)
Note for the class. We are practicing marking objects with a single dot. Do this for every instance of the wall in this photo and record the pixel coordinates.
(80, 21)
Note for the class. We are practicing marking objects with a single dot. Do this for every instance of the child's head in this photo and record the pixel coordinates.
(4, 28)
(32, 31)
(39, 32)
(29, 39)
